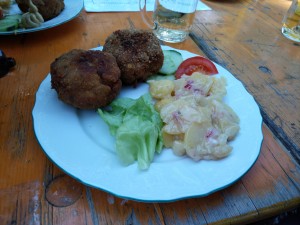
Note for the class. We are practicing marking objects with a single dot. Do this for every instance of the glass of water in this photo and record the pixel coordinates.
(172, 19)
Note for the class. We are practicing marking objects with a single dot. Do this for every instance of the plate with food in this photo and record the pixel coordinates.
(93, 145)
(20, 16)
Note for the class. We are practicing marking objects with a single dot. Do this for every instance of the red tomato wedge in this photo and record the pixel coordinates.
(196, 64)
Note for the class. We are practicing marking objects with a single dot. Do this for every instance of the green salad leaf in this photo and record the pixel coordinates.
(137, 128)
(113, 117)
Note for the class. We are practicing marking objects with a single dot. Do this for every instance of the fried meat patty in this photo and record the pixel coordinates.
(47, 8)
(138, 54)
(86, 79)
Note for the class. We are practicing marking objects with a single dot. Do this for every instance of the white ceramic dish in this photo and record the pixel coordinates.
(79, 142)
(71, 10)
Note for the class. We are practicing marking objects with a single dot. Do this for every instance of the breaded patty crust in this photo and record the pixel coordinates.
(86, 79)
(138, 54)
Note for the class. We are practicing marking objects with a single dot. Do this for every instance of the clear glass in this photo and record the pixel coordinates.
(291, 22)
(172, 19)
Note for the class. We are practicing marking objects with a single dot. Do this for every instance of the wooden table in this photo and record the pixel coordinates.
(242, 36)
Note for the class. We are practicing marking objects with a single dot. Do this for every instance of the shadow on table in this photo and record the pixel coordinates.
(288, 218)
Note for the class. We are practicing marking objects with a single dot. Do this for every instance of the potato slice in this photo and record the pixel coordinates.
(196, 84)
(178, 148)
(225, 119)
(160, 89)
(161, 103)
(203, 141)
(218, 89)
(168, 139)
(195, 135)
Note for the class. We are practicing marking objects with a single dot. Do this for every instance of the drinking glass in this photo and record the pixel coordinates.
(291, 22)
(172, 19)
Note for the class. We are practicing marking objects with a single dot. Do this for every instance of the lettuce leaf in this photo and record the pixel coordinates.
(114, 114)
(137, 128)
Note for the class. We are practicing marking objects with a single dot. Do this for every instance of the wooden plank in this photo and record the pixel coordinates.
(173, 212)
(76, 214)
(22, 202)
(283, 158)
(269, 185)
(216, 208)
(114, 210)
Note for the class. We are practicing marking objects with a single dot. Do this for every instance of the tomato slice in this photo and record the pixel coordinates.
(196, 64)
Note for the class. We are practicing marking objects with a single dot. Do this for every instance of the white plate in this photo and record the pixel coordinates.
(79, 142)
(71, 10)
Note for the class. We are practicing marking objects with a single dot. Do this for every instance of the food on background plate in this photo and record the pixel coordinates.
(138, 54)
(5, 3)
(7, 22)
(86, 79)
(10, 22)
(47, 8)
(136, 126)
(196, 121)
(32, 18)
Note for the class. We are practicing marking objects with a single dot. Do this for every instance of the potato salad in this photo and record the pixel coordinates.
(197, 122)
